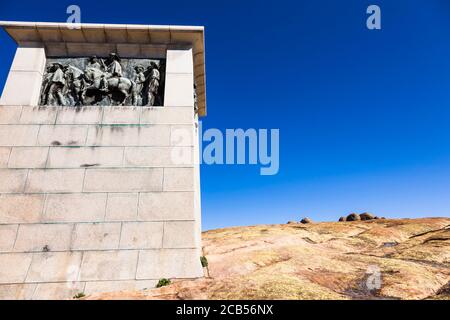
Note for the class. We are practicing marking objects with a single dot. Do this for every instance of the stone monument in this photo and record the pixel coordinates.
(99, 173)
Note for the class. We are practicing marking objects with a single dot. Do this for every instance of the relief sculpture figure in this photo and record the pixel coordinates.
(98, 81)
(153, 85)
(56, 86)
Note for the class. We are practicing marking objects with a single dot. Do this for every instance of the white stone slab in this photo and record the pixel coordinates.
(123, 180)
(75, 208)
(41, 237)
(28, 157)
(82, 115)
(12, 181)
(19, 208)
(17, 291)
(7, 237)
(121, 115)
(4, 156)
(182, 135)
(178, 179)
(22, 88)
(128, 135)
(14, 267)
(62, 135)
(180, 61)
(54, 266)
(158, 156)
(30, 58)
(96, 236)
(179, 91)
(38, 115)
(141, 235)
(109, 265)
(54, 180)
(122, 207)
(58, 291)
(180, 234)
(85, 157)
(116, 286)
(10, 115)
(167, 115)
(168, 263)
(17, 135)
(160, 206)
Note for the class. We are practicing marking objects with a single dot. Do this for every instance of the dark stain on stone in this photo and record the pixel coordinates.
(56, 143)
(87, 165)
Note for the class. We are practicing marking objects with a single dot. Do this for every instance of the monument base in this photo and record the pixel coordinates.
(96, 199)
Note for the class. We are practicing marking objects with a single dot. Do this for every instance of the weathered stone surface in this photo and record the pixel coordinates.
(17, 291)
(43, 237)
(4, 156)
(128, 135)
(158, 156)
(12, 181)
(58, 291)
(96, 236)
(18, 135)
(141, 235)
(55, 180)
(123, 180)
(180, 234)
(122, 207)
(28, 157)
(7, 237)
(14, 267)
(109, 265)
(111, 286)
(182, 136)
(169, 263)
(75, 208)
(21, 208)
(167, 115)
(37, 115)
(85, 157)
(54, 266)
(10, 115)
(83, 115)
(120, 115)
(178, 179)
(159, 206)
(62, 135)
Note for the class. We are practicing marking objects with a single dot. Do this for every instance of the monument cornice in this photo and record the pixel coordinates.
(49, 34)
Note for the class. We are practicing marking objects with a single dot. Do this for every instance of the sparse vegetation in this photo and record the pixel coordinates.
(204, 261)
(163, 282)
(79, 295)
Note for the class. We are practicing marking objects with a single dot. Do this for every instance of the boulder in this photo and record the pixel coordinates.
(291, 222)
(306, 220)
(353, 217)
(366, 216)
(376, 217)
(341, 219)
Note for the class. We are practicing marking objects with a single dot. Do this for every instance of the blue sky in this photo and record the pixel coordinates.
(363, 115)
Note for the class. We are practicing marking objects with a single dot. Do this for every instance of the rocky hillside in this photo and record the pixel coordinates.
(332, 260)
